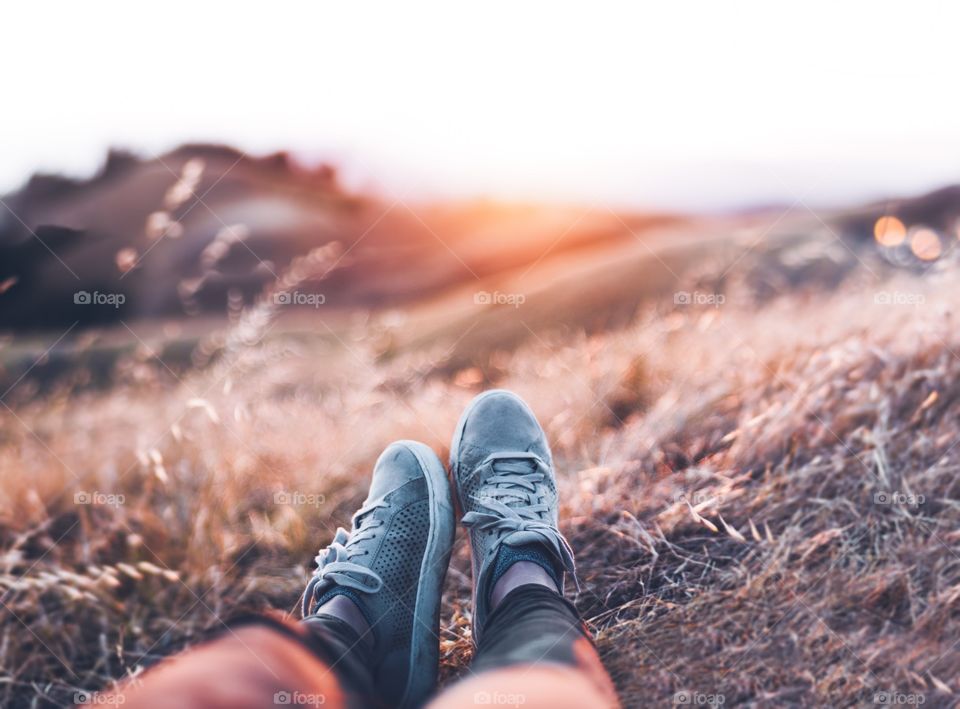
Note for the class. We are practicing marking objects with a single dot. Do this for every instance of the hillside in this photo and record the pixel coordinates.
(754, 429)
(204, 229)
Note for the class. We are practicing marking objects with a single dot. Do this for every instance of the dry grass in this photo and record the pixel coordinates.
(719, 468)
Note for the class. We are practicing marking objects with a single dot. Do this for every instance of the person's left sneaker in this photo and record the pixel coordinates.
(503, 473)
(391, 564)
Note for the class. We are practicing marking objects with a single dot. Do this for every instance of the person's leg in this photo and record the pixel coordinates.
(259, 664)
(535, 652)
(532, 647)
(371, 612)
(384, 577)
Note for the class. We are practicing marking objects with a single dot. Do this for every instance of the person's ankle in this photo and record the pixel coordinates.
(345, 609)
(520, 573)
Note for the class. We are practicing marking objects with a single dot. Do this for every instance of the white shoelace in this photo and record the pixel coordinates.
(333, 561)
(512, 478)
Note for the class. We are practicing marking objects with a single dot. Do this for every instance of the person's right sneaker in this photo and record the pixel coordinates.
(503, 473)
(391, 564)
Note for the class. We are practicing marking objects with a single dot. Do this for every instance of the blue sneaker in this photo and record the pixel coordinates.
(392, 564)
(504, 478)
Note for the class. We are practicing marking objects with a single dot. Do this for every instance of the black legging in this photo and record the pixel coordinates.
(532, 624)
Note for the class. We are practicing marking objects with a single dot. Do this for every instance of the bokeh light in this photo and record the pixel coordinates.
(925, 244)
(889, 231)
(126, 259)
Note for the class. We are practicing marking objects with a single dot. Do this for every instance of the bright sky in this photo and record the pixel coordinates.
(682, 104)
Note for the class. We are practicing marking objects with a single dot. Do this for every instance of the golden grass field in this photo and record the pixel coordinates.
(762, 492)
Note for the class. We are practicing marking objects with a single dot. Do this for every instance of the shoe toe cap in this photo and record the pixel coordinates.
(395, 467)
(500, 420)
